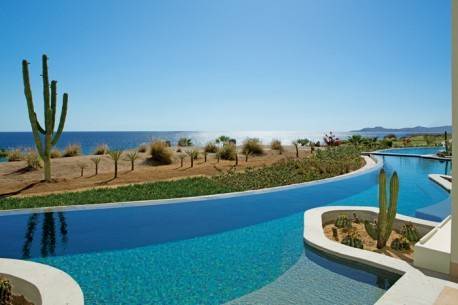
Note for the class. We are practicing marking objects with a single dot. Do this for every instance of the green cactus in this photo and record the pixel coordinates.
(381, 230)
(50, 137)
(400, 244)
(353, 240)
(6, 296)
(343, 221)
(409, 231)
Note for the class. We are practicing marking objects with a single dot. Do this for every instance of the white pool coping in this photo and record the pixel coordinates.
(41, 284)
(371, 165)
(440, 180)
(433, 250)
(413, 288)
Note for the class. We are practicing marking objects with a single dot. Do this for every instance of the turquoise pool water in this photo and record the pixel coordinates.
(219, 250)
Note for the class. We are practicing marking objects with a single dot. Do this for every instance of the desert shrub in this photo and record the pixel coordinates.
(33, 160)
(160, 153)
(72, 150)
(210, 147)
(227, 152)
(184, 142)
(3, 152)
(14, 155)
(252, 146)
(56, 153)
(101, 149)
(276, 145)
(143, 148)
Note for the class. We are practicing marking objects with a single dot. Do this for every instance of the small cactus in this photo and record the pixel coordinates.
(335, 233)
(6, 296)
(400, 244)
(353, 240)
(343, 221)
(409, 231)
(381, 230)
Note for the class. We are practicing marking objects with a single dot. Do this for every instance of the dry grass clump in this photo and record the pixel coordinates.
(33, 160)
(101, 149)
(160, 153)
(227, 152)
(72, 150)
(210, 148)
(56, 153)
(276, 145)
(252, 146)
(143, 148)
(14, 155)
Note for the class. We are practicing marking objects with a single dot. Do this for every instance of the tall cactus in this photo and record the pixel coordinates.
(45, 138)
(387, 213)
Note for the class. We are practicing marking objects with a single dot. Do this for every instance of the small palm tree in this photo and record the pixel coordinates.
(96, 162)
(296, 146)
(222, 139)
(246, 153)
(82, 167)
(356, 140)
(182, 157)
(193, 154)
(131, 157)
(115, 155)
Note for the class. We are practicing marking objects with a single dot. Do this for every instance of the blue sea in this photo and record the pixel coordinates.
(130, 139)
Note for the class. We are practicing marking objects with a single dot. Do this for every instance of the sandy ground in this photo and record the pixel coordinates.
(370, 244)
(15, 181)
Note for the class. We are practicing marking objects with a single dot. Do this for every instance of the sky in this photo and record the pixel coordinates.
(230, 64)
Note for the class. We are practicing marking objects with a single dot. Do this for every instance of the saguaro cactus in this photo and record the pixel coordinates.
(45, 138)
(382, 229)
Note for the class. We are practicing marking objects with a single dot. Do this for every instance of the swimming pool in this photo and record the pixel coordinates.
(216, 250)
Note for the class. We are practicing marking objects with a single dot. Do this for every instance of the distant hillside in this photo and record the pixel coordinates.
(417, 129)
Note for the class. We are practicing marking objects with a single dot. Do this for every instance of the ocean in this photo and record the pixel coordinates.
(130, 139)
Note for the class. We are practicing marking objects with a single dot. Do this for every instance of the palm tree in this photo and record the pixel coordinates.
(96, 162)
(222, 139)
(296, 146)
(132, 156)
(49, 234)
(115, 155)
(356, 140)
(193, 154)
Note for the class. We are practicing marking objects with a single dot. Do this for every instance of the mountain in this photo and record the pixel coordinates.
(417, 129)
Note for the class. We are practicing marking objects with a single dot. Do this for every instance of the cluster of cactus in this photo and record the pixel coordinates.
(343, 221)
(45, 137)
(400, 244)
(353, 240)
(409, 231)
(381, 229)
(6, 296)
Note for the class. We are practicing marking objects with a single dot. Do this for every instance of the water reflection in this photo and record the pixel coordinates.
(48, 233)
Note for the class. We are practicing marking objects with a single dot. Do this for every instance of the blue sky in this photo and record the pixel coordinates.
(231, 64)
